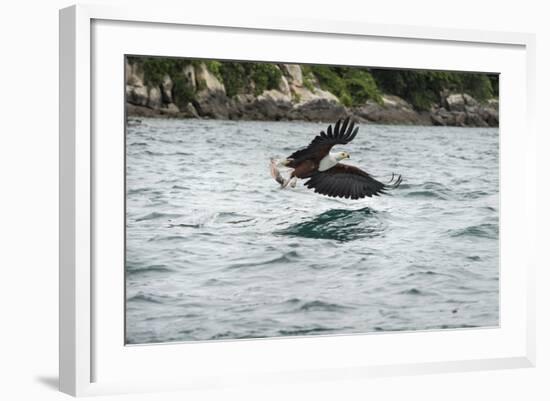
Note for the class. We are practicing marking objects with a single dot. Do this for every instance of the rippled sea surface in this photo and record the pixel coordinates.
(216, 250)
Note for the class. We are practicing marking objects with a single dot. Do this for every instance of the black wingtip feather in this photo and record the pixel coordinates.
(342, 132)
(349, 130)
(337, 127)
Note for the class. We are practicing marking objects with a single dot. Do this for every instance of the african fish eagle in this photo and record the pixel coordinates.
(327, 176)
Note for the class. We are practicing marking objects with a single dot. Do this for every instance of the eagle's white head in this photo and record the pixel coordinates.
(341, 156)
(332, 160)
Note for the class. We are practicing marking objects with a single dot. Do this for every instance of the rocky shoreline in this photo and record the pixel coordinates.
(294, 99)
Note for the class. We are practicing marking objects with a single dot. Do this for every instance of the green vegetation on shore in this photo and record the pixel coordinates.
(156, 68)
(237, 77)
(423, 88)
(352, 85)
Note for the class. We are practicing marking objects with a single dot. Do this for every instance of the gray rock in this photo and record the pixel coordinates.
(191, 111)
(493, 104)
(166, 89)
(437, 119)
(294, 72)
(138, 95)
(155, 98)
(284, 87)
(305, 95)
(136, 92)
(170, 109)
(271, 105)
(213, 104)
(275, 96)
(475, 120)
(244, 98)
(455, 102)
(127, 70)
(470, 101)
(463, 110)
(490, 115)
(320, 109)
(471, 109)
(211, 100)
(314, 105)
(393, 110)
(134, 75)
(140, 111)
(442, 116)
(459, 118)
(189, 73)
(207, 81)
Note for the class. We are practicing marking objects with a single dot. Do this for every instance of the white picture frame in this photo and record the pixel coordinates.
(93, 360)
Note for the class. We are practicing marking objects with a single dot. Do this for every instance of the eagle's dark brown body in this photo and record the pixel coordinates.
(304, 169)
(339, 180)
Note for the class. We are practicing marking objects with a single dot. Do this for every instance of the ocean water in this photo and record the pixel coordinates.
(216, 250)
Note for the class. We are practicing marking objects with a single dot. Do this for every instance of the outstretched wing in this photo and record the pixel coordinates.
(345, 181)
(343, 133)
